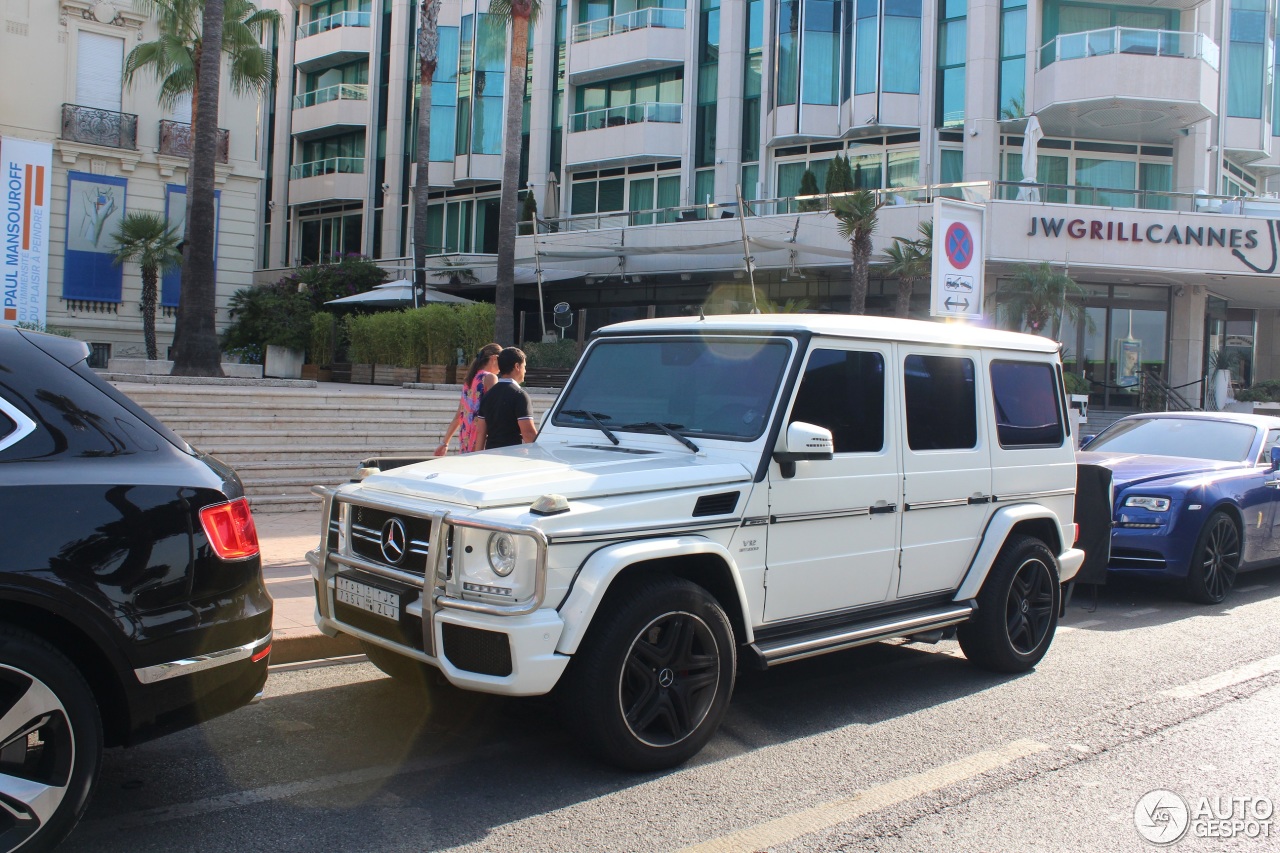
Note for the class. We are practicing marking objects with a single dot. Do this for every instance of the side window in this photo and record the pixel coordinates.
(844, 392)
(14, 425)
(1273, 438)
(1028, 411)
(942, 409)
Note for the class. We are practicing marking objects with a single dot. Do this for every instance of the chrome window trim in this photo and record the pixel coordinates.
(25, 426)
(200, 663)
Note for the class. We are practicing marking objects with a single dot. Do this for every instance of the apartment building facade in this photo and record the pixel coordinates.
(102, 148)
(665, 142)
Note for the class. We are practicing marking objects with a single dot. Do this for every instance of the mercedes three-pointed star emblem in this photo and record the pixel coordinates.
(395, 542)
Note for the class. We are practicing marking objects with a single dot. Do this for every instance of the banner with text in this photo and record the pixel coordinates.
(958, 262)
(27, 170)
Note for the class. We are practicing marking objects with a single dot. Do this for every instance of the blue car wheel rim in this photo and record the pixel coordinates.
(1029, 609)
(1220, 558)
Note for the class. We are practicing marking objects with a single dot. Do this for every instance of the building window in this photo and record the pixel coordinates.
(821, 60)
(866, 46)
(99, 356)
(952, 36)
(329, 237)
(704, 153)
(900, 54)
(444, 98)
(1245, 69)
(1013, 59)
(99, 71)
(788, 81)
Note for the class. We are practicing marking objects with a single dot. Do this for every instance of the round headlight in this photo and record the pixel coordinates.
(502, 553)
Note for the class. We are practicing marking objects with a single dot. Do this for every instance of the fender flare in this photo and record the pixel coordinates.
(603, 566)
(993, 538)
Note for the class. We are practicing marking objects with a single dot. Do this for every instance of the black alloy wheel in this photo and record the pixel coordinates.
(669, 681)
(50, 743)
(1216, 561)
(1017, 609)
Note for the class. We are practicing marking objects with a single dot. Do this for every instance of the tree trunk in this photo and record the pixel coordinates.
(859, 268)
(195, 339)
(902, 308)
(508, 208)
(149, 281)
(428, 56)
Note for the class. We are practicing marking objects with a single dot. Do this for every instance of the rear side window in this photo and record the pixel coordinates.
(14, 425)
(844, 392)
(942, 410)
(1028, 411)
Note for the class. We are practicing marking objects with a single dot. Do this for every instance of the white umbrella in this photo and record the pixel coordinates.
(1030, 160)
(551, 204)
(395, 294)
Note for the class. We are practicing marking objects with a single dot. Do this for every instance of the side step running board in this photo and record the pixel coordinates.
(787, 649)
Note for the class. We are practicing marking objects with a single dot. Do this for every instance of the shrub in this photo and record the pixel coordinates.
(434, 334)
(560, 354)
(1076, 384)
(324, 337)
(274, 314)
(1266, 391)
(809, 187)
(475, 328)
(48, 330)
(321, 282)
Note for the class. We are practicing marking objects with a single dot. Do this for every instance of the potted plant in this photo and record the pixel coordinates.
(270, 325)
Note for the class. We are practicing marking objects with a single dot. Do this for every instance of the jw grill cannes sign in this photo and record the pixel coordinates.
(26, 169)
(1250, 245)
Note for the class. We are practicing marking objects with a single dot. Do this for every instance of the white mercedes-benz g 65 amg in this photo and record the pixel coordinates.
(712, 490)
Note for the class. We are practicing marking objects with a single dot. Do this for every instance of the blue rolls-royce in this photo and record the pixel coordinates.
(1195, 497)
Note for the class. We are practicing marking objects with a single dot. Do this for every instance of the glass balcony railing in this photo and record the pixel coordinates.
(671, 19)
(626, 114)
(327, 166)
(332, 22)
(339, 92)
(1131, 41)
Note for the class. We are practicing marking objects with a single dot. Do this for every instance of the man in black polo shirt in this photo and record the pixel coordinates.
(506, 415)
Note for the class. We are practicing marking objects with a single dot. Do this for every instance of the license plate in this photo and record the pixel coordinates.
(365, 597)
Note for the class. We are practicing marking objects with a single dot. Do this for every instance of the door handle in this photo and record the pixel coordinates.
(1271, 484)
(879, 509)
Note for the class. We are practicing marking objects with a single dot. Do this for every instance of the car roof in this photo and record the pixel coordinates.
(1263, 421)
(842, 326)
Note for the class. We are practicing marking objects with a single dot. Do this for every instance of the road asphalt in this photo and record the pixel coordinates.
(285, 538)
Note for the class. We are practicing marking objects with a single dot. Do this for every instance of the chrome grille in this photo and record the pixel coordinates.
(367, 525)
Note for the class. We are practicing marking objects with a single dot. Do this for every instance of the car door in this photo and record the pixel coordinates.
(833, 531)
(946, 467)
(1269, 545)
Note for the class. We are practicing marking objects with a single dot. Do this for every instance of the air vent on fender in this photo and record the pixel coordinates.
(720, 504)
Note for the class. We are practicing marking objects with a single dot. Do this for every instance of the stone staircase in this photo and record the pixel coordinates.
(284, 440)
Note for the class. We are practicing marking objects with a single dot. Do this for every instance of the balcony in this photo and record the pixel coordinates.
(331, 109)
(634, 133)
(331, 179)
(175, 141)
(332, 40)
(624, 45)
(99, 127)
(1126, 84)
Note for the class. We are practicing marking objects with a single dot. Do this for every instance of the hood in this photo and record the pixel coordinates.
(520, 474)
(1128, 469)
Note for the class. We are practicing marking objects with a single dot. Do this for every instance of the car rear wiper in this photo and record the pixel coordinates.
(596, 418)
(669, 429)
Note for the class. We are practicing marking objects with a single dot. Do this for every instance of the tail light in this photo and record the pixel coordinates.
(230, 529)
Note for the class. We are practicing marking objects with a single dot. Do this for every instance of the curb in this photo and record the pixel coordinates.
(295, 645)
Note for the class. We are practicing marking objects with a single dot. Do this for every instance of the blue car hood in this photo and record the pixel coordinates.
(1129, 469)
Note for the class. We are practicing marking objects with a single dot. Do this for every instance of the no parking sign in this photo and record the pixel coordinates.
(958, 262)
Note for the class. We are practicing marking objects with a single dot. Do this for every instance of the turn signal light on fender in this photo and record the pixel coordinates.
(230, 529)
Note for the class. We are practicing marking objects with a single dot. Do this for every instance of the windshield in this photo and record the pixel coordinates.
(720, 387)
(1186, 437)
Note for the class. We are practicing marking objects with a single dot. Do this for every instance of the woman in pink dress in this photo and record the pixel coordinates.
(480, 378)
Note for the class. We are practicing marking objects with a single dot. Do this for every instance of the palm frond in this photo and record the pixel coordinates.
(508, 10)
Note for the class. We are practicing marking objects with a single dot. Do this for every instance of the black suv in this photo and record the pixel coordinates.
(131, 594)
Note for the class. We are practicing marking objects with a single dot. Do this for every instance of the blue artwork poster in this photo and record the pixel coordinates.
(95, 206)
(175, 214)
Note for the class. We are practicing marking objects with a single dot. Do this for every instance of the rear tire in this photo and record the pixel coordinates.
(50, 743)
(653, 676)
(1215, 561)
(1017, 609)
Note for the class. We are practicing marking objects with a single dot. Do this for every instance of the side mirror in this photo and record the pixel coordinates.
(1275, 456)
(1085, 439)
(803, 441)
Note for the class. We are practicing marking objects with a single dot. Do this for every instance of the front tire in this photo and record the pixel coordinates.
(651, 681)
(1017, 609)
(1216, 560)
(50, 743)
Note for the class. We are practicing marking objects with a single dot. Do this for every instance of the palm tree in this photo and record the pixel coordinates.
(147, 240)
(910, 261)
(428, 59)
(187, 58)
(519, 14)
(1038, 296)
(857, 215)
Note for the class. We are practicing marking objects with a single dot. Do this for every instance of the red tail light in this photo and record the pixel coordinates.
(230, 529)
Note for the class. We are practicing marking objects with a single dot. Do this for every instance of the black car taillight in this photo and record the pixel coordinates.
(230, 529)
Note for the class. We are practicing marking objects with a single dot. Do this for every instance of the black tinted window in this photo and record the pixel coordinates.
(6, 425)
(844, 392)
(942, 410)
(1026, 402)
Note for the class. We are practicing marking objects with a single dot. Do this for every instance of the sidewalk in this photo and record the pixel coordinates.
(285, 538)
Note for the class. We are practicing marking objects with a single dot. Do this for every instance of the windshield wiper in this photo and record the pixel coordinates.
(596, 418)
(668, 429)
